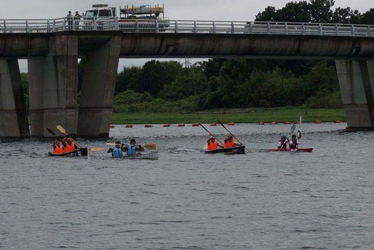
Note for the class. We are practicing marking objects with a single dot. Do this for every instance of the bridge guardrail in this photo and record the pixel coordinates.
(183, 26)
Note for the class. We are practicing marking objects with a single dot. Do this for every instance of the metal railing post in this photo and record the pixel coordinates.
(369, 33)
(136, 26)
(320, 29)
(54, 25)
(27, 26)
(250, 28)
(48, 27)
(303, 29)
(116, 24)
(4, 26)
(232, 28)
(194, 27)
(353, 30)
(286, 28)
(95, 24)
(64, 24)
(214, 27)
(268, 26)
(176, 27)
(157, 27)
(336, 29)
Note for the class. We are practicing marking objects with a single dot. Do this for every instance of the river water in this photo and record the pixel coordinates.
(190, 200)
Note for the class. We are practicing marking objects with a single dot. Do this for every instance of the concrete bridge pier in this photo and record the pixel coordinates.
(99, 80)
(13, 114)
(53, 87)
(356, 81)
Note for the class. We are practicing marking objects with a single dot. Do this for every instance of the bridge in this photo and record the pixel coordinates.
(53, 47)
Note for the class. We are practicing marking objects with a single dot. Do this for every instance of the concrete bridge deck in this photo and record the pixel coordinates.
(52, 48)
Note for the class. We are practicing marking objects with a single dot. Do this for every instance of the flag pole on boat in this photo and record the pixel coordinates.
(211, 133)
(232, 135)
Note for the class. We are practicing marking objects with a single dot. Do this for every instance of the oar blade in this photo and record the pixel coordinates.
(150, 146)
(51, 131)
(293, 128)
(61, 129)
(96, 149)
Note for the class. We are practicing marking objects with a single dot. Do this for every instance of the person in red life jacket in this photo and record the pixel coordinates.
(69, 145)
(294, 143)
(213, 144)
(58, 148)
(230, 142)
(282, 144)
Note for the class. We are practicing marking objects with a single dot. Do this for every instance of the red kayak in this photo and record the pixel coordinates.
(309, 150)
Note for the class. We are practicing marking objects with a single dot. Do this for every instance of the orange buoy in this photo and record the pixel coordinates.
(318, 121)
(231, 123)
(195, 124)
(166, 125)
(287, 122)
(213, 124)
(148, 125)
(297, 122)
(111, 126)
(129, 126)
(273, 123)
(337, 121)
(181, 124)
(261, 123)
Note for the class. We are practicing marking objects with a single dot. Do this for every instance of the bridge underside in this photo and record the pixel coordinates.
(53, 72)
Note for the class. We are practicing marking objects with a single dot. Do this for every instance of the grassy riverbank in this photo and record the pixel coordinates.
(237, 116)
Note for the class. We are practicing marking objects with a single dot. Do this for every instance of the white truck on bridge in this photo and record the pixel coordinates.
(143, 17)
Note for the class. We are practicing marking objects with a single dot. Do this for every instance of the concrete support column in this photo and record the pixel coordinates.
(356, 81)
(54, 87)
(100, 71)
(13, 112)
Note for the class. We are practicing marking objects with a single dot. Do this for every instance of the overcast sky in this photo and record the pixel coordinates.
(225, 10)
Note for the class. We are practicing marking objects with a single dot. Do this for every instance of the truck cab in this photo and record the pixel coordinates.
(100, 11)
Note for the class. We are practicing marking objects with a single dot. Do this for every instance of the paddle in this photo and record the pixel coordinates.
(211, 134)
(149, 146)
(52, 133)
(63, 131)
(232, 135)
(96, 149)
(299, 131)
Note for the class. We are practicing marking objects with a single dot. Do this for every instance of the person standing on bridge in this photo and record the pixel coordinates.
(69, 18)
(77, 19)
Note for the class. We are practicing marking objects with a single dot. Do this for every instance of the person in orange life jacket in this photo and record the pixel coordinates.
(282, 144)
(132, 148)
(69, 145)
(230, 142)
(117, 150)
(213, 144)
(294, 143)
(58, 148)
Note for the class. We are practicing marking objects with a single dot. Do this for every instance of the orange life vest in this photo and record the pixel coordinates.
(229, 144)
(58, 149)
(69, 148)
(212, 145)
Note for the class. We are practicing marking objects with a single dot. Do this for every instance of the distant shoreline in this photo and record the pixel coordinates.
(278, 115)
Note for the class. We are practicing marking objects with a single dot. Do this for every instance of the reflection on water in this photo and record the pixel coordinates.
(189, 200)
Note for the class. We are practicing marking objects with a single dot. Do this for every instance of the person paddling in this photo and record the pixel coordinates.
(132, 148)
(230, 142)
(116, 151)
(69, 145)
(294, 143)
(213, 144)
(282, 144)
(58, 148)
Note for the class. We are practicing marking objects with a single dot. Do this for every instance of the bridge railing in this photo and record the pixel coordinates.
(183, 26)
